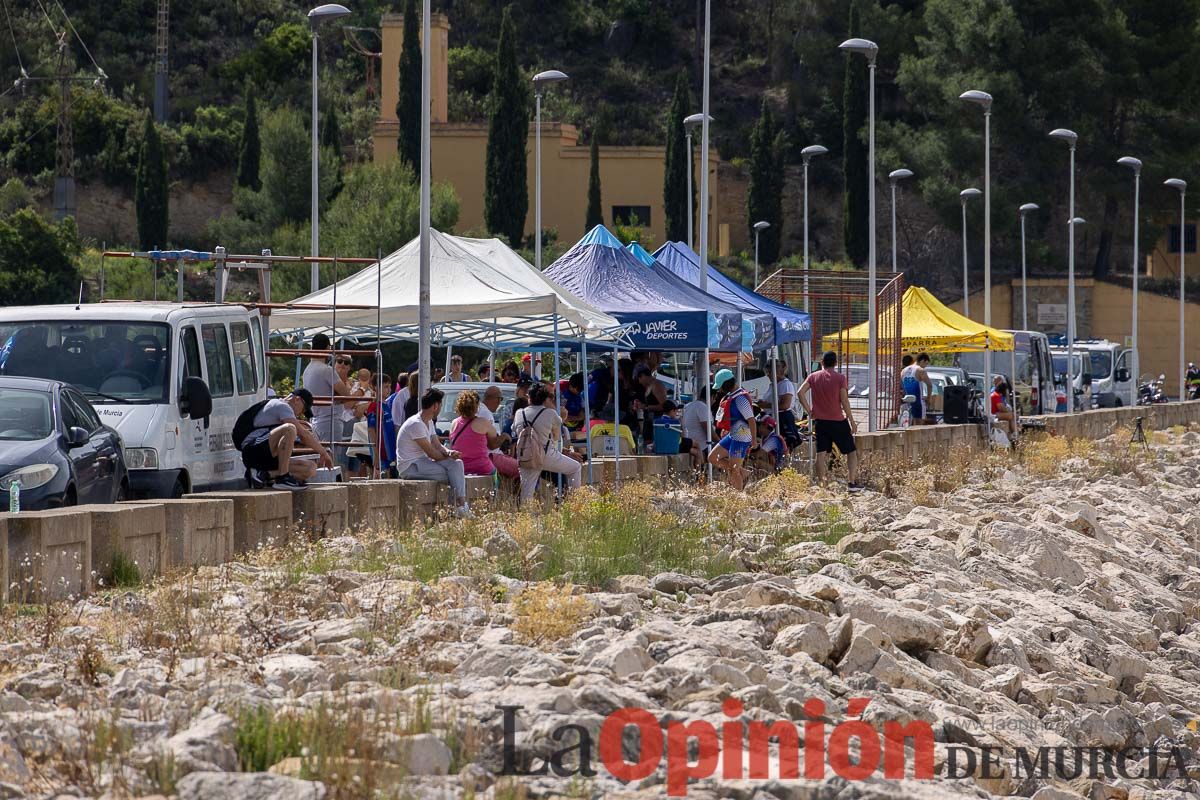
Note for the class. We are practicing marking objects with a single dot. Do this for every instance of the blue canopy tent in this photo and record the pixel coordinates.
(791, 325)
(763, 323)
(664, 311)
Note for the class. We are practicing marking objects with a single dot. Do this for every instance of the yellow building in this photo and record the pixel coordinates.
(631, 178)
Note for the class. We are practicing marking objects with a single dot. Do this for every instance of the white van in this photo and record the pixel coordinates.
(171, 378)
(1113, 384)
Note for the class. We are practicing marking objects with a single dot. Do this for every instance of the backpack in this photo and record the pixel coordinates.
(529, 452)
(244, 425)
(724, 411)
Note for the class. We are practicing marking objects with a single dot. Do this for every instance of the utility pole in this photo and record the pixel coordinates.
(160, 61)
(64, 153)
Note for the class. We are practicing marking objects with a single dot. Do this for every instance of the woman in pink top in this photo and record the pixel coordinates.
(470, 435)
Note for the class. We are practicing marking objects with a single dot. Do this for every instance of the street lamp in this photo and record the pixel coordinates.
(1181, 187)
(540, 80)
(895, 176)
(325, 13)
(964, 196)
(689, 124)
(1070, 137)
(1134, 164)
(984, 101)
(808, 154)
(705, 119)
(1025, 209)
(870, 51)
(759, 227)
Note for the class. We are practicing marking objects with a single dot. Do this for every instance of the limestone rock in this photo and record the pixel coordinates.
(809, 638)
(247, 786)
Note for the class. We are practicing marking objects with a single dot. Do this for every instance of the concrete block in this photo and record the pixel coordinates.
(652, 468)
(199, 532)
(260, 518)
(479, 490)
(4, 580)
(137, 532)
(679, 466)
(49, 555)
(417, 501)
(321, 510)
(373, 504)
(604, 469)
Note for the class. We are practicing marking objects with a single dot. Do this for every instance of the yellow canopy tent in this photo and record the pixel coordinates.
(927, 326)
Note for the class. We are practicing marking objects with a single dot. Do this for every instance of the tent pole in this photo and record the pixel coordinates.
(492, 355)
(449, 352)
(708, 401)
(774, 356)
(557, 399)
(587, 410)
(379, 398)
(616, 379)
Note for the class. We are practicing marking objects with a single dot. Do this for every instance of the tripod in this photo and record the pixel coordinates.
(1139, 434)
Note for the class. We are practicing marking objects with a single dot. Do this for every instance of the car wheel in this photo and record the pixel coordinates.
(69, 497)
(122, 492)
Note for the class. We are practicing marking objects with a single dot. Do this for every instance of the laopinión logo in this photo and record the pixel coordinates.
(694, 751)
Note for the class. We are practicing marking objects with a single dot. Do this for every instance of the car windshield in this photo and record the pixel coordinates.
(109, 361)
(24, 415)
(858, 378)
(1060, 364)
(973, 362)
(447, 416)
(1101, 363)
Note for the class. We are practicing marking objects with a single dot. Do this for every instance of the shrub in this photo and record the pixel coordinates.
(546, 613)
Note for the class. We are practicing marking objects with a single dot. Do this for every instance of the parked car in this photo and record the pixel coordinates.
(445, 420)
(54, 445)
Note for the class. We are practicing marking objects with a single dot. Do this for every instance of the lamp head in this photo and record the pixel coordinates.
(899, 175)
(1025, 209)
(1079, 221)
(863, 47)
(812, 151)
(1134, 164)
(978, 98)
(1176, 183)
(327, 12)
(690, 123)
(1064, 135)
(761, 225)
(549, 76)
(967, 194)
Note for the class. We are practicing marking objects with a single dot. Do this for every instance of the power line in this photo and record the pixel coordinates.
(12, 32)
(78, 38)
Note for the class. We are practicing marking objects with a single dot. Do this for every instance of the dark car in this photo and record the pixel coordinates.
(53, 443)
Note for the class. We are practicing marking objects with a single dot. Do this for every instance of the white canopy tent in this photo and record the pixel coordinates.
(482, 294)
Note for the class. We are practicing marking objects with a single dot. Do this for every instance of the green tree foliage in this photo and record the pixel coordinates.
(150, 194)
(675, 174)
(595, 210)
(765, 200)
(506, 192)
(37, 259)
(331, 142)
(277, 58)
(250, 151)
(408, 109)
(286, 169)
(856, 201)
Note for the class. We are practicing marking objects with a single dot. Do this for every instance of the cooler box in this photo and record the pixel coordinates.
(666, 440)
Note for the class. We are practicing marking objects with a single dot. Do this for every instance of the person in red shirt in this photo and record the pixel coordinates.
(826, 400)
(1001, 410)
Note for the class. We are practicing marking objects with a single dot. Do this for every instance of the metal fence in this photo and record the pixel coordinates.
(837, 301)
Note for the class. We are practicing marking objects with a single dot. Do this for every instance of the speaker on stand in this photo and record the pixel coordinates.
(956, 405)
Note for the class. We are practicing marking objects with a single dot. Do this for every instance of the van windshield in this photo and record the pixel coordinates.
(109, 361)
(1101, 363)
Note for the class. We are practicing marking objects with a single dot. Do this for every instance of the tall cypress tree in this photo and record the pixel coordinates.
(408, 108)
(250, 152)
(675, 175)
(150, 189)
(765, 201)
(595, 211)
(331, 140)
(506, 191)
(855, 98)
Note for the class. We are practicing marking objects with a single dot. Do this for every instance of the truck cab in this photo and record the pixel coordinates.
(171, 378)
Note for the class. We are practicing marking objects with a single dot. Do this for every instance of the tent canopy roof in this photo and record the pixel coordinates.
(481, 293)
(927, 325)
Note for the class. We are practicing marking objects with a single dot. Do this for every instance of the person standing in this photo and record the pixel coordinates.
(735, 416)
(324, 382)
(696, 420)
(828, 405)
(912, 376)
(421, 456)
(785, 390)
(455, 375)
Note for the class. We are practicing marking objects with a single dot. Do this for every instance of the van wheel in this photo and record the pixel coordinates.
(179, 489)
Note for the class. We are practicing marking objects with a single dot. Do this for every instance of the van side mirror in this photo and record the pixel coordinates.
(1122, 375)
(195, 401)
(76, 437)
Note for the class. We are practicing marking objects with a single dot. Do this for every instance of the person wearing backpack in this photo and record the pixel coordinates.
(537, 429)
(735, 418)
(267, 432)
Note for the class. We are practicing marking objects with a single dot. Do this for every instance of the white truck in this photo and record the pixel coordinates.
(171, 378)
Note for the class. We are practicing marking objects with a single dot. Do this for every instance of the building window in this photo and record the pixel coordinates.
(631, 215)
(1173, 238)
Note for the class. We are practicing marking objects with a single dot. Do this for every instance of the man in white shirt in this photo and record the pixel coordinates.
(697, 420)
(420, 455)
(787, 399)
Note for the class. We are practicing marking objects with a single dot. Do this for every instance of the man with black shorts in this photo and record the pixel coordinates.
(267, 449)
(826, 401)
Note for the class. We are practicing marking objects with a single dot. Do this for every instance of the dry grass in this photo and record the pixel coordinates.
(544, 613)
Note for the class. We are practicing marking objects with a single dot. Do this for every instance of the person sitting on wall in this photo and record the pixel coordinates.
(1001, 410)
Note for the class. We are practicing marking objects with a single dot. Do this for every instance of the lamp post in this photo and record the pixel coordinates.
(759, 227)
(1181, 187)
(424, 315)
(808, 153)
(984, 101)
(870, 51)
(540, 80)
(1071, 138)
(705, 119)
(1025, 209)
(327, 12)
(689, 125)
(964, 196)
(895, 176)
(1134, 164)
